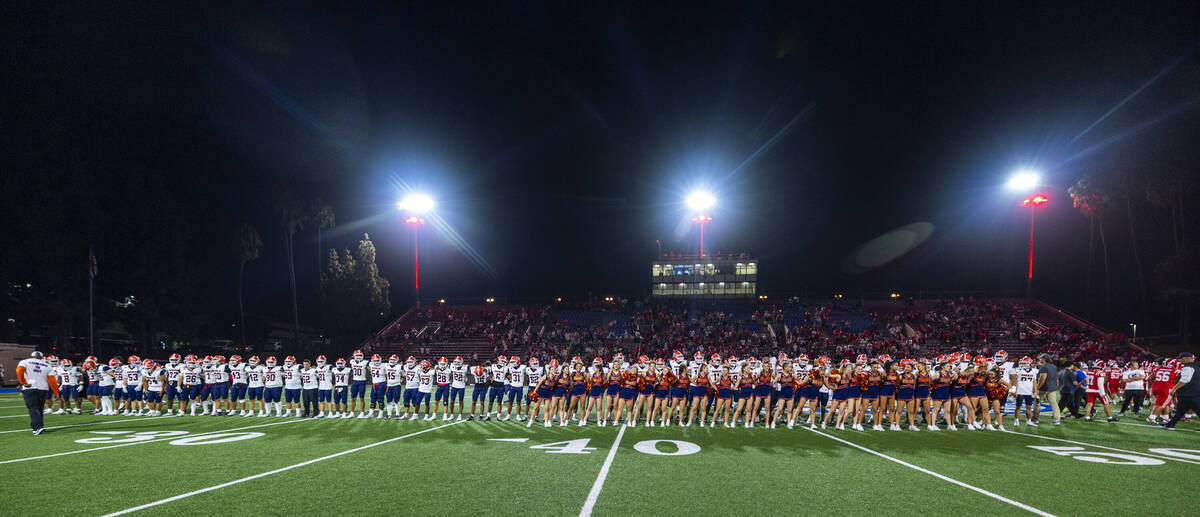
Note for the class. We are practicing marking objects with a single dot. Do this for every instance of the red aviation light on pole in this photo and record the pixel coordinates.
(414, 220)
(1032, 202)
(702, 219)
(416, 223)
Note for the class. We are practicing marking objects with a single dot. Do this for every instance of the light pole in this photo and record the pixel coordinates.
(1033, 202)
(416, 204)
(702, 220)
(699, 201)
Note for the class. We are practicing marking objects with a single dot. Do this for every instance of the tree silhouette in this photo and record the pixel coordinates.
(291, 217)
(247, 245)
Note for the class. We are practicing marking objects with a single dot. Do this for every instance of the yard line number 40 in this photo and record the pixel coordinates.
(652, 447)
(1116, 458)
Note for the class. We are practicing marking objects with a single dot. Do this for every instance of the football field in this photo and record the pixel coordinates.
(93, 465)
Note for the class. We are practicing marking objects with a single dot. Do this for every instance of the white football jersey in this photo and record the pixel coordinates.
(308, 378)
(425, 381)
(376, 370)
(516, 376)
(410, 376)
(254, 376)
(534, 374)
(189, 375)
(358, 369)
(458, 376)
(324, 377)
(237, 373)
(133, 376)
(172, 371)
(154, 380)
(1025, 380)
(291, 377)
(341, 376)
(675, 366)
(273, 376)
(106, 375)
(499, 371)
(394, 373)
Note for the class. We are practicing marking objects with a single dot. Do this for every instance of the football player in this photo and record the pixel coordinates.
(441, 398)
(292, 384)
(1095, 390)
(254, 387)
(378, 385)
(499, 379)
(237, 386)
(533, 373)
(1024, 377)
(133, 386)
(424, 390)
(458, 386)
(341, 389)
(324, 374)
(154, 379)
(411, 383)
(479, 390)
(272, 388)
(308, 383)
(358, 385)
(516, 387)
(190, 377)
(393, 371)
(171, 389)
(218, 377)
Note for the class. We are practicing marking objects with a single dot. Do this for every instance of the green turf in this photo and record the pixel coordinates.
(456, 470)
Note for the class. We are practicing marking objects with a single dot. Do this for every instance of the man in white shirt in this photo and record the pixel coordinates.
(1024, 378)
(1134, 378)
(308, 383)
(34, 376)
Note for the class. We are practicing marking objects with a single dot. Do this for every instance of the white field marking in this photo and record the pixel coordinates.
(1141, 425)
(166, 439)
(14, 416)
(276, 471)
(92, 423)
(995, 496)
(590, 503)
(1103, 447)
(513, 440)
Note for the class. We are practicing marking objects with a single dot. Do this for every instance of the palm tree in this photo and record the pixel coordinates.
(247, 244)
(322, 218)
(290, 214)
(1091, 200)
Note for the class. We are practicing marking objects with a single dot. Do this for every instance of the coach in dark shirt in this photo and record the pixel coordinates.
(1066, 379)
(1047, 386)
(1187, 390)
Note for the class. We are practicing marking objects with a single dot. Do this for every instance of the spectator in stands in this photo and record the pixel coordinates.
(1047, 387)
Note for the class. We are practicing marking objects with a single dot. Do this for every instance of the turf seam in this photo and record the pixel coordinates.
(993, 495)
(272, 472)
(594, 494)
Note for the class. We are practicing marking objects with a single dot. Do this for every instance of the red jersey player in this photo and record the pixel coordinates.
(1162, 378)
(1096, 383)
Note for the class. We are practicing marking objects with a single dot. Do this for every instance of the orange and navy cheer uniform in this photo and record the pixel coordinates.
(614, 383)
(725, 387)
(651, 379)
(873, 381)
(787, 384)
(995, 390)
(908, 384)
(745, 387)
(628, 385)
(855, 389)
(763, 390)
(578, 384)
(564, 379)
(547, 387)
(701, 388)
(941, 388)
(597, 385)
(679, 389)
(661, 388)
(923, 385)
(841, 387)
(975, 387)
(887, 386)
(811, 388)
(958, 387)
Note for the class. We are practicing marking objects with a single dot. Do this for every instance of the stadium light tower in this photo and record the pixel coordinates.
(700, 201)
(416, 205)
(1024, 180)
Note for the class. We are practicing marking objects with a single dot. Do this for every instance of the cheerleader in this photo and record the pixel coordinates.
(614, 387)
(661, 389)
(629, 381)
(645, 389)
(941, 398)
(810, 393)
(924, 385)
(762, 396)
(699, 396)
(870, 396)
(839, 381)
(545, 388)
(559, 395)
(787, 386)
(649, 383)
(976, 393)
(958, 396)
(579, 380)
(854, 395)
(905, 391)
(997, 393)
(596, 382)
(679, 391)
(724, 394)
(887, 394)
(743, 385)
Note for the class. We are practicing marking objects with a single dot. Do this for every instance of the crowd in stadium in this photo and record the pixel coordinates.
(949, 390)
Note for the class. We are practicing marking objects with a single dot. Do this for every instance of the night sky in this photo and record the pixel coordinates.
(559, 139)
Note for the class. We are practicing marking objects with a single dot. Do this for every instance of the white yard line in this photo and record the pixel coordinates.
(80, 451)
(595, 493)
(273, 472)
(995, 496)
(1151, 454)
(16, 416)
(90, 423)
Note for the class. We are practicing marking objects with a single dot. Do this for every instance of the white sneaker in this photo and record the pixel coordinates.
(952, 427)
(505, 418)
(633, 423)
(1031, 424)
(547, 424)
(933, 428)
(913, 428)
(876, 428)
(991, 427)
